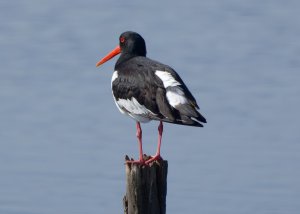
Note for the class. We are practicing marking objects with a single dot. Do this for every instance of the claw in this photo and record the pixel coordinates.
(152, 159)
(141, 161)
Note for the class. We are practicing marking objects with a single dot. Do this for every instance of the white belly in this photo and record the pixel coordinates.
(131, 107)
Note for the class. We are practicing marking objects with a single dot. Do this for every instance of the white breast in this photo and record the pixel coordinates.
(114, 77)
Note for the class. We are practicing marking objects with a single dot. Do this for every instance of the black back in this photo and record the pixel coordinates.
(137, 78)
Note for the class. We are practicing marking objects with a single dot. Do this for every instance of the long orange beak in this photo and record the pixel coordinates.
(113, 53)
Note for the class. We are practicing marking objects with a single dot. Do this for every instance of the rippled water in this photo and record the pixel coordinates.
(63, 141)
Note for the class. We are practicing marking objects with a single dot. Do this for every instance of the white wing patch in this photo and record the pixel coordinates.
(176, 97)
(167, 79)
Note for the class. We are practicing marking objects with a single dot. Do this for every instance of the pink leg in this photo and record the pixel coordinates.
(157, 155)
(139, 137)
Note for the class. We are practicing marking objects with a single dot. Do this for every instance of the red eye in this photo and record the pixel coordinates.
(122, 39)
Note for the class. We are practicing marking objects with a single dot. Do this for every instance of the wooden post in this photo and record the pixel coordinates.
(146, 188)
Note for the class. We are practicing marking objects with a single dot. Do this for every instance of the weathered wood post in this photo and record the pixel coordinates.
(146, 188)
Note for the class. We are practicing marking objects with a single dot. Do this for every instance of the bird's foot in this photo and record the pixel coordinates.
(152, 159)
(146, 160)
(141, 161)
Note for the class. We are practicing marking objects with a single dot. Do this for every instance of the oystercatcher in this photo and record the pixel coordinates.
(146, 90)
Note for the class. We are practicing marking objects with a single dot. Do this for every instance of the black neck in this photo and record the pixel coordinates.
(126, 56)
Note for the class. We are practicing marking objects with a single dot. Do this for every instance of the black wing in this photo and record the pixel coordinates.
(137, 78)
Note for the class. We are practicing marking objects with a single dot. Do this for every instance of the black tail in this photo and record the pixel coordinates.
(190, 116)
(186, 115)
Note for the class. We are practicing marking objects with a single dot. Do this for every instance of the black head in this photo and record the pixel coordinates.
(132, 43)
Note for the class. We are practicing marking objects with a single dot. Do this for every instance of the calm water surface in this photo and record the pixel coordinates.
(63, 141)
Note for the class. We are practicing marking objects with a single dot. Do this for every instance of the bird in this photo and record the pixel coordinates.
(145, 90)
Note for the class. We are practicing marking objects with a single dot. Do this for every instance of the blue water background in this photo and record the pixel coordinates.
(63, 141)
